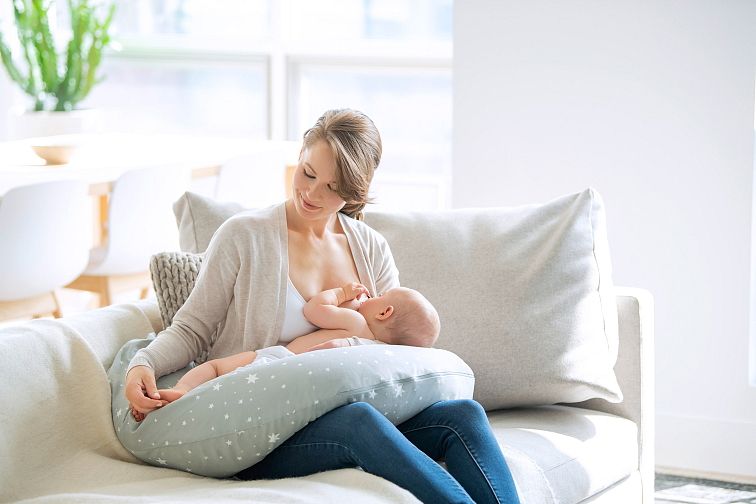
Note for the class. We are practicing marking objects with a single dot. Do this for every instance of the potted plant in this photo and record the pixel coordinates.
(57, 80)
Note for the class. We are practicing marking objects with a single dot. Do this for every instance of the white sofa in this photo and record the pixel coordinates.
(57, 442)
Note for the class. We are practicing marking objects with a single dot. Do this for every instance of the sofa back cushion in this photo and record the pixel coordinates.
(525, 294)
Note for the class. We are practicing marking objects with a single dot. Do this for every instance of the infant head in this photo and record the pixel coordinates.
(414, 321)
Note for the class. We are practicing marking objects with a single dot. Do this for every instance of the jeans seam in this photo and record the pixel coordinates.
(464, 443)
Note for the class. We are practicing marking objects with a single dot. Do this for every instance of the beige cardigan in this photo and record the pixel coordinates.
(241, 289)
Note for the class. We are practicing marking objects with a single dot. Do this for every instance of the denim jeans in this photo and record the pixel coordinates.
(357, 435)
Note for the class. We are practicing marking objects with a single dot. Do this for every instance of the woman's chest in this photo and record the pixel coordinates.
(321, 265)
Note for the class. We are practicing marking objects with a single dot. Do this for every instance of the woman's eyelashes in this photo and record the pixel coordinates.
(312, 177)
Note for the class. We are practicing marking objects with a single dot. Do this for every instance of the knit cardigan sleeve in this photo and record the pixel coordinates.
(237, 292)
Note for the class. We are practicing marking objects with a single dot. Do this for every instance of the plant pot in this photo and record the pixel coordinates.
(41, 124)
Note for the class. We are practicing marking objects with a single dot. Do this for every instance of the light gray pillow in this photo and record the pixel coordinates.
(232, 422)
(198, 217)
(525, 295)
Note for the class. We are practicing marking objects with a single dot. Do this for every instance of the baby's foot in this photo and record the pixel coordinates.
(138, 416)
(170, 395)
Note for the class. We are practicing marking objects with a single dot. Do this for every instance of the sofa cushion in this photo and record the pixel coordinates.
(565, 454)
(198, 217)
(233, 421)
(524, 294)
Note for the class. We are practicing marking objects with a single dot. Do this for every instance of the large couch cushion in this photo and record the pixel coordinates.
(565, 454)
(524, 294)
(550, 333)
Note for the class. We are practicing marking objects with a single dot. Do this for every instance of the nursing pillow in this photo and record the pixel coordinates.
(232, 422)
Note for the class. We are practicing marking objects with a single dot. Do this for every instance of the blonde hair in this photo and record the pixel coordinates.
(356, 147)
(415, 321)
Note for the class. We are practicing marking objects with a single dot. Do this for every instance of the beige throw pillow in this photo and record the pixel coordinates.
(524, 294)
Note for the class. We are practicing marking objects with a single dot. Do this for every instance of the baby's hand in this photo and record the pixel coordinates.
(353, 289)
(334, 343)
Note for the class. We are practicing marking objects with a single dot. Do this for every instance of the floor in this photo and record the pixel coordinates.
(678, 489)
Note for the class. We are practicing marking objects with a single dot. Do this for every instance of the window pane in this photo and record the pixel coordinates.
(227, 19)
(371, 19)
(182, 97)
(412, 108)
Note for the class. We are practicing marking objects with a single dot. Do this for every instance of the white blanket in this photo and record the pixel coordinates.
(57, 442)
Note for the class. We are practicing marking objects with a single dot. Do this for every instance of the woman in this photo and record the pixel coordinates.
(260, 269)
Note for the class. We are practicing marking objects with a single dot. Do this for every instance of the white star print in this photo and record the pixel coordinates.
(372, 394)
(118, 414)
(217, 386)
(398, 390)
(316, 401)
(211, 406)
(228, 442)
(226, 417)
(162, 461)
(273, 438)
(252, 378)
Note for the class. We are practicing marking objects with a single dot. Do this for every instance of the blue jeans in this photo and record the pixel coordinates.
(358, 435)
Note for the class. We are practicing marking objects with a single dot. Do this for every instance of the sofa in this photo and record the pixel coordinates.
(563, 364)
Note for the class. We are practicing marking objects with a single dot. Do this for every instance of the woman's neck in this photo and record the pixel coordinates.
(315, 228)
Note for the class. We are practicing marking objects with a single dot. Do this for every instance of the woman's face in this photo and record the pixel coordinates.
(314, 184)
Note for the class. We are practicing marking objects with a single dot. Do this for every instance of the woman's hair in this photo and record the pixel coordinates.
(356, 146)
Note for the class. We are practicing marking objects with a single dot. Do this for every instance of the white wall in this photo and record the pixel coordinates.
(651, 102)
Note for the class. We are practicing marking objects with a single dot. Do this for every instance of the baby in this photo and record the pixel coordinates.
(400, 316)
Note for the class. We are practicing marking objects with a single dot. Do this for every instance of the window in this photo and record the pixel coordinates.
(269, 68)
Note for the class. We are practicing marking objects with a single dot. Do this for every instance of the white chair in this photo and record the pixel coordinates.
(140, 223)
(45, 232)
(255, 180)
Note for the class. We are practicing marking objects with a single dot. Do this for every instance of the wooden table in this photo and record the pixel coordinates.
(102, 158)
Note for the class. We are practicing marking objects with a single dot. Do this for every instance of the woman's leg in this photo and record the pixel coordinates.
(358, 435)
(459, 432)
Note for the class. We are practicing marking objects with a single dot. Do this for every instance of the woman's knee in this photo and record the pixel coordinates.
(461, 409)
(360, 413)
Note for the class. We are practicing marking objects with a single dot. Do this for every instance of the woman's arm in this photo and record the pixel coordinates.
(323, 309)
(207, 305)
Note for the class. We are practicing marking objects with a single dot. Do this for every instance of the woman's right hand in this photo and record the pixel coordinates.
(141, 390)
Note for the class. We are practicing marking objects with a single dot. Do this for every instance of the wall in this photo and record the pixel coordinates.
(651, 102)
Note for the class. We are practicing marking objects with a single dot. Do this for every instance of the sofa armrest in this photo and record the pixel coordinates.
(635, 373)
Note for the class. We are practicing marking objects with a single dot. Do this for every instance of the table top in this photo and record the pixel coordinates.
(101, 158)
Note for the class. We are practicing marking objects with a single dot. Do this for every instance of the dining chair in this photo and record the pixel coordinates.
(44, 244)
(140, 223)
(255, 180)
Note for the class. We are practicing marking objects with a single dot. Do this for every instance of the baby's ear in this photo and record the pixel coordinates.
(385, 314)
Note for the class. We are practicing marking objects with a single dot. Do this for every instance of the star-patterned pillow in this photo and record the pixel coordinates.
(235, 420)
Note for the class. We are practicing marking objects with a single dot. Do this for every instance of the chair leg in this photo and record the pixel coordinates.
(107, 293)
(58, 311)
